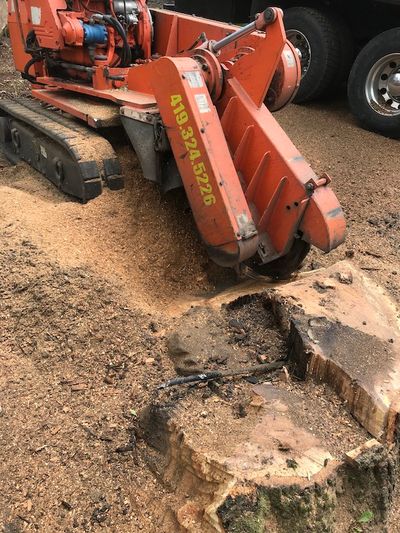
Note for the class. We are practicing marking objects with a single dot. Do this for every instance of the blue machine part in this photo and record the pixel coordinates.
(94, 34)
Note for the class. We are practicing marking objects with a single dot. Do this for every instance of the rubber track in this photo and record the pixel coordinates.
(83, 144)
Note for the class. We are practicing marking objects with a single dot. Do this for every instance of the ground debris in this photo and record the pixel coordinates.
(220, 374)
(100, 514)
(54, 352)
(67, 505)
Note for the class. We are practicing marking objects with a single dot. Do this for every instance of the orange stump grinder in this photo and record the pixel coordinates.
(195, 98)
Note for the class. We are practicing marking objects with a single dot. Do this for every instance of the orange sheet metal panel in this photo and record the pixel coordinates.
(202, 155)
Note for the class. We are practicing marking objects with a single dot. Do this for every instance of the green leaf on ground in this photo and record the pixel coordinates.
(366, 517)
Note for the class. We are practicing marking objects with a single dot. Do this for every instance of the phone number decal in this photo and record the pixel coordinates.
(191, 145)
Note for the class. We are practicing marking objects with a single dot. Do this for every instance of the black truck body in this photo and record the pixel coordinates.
(365, 18)
(340, 42)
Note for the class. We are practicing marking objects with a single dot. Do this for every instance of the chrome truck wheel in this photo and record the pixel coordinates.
(382, 86)
(302, 47)
(374, 84)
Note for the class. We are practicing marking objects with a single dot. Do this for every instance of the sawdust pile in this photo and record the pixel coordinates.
(145, 243)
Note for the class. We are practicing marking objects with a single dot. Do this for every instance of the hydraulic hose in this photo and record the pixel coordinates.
(26, 74)
(32, 47)
(126, 58)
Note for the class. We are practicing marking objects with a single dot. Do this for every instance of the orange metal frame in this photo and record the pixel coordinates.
(249, 187)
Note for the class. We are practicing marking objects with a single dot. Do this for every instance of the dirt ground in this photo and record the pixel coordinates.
(85, 300)
(365, 178)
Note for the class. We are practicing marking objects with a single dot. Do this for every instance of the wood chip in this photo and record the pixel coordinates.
(258, 402)
(77, 387)
(354, 456)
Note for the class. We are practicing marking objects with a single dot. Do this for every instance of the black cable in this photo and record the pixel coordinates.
(32, 47)
(202, 38)
(126, 59)
(26, 74)
(123, 58)
(127, 48)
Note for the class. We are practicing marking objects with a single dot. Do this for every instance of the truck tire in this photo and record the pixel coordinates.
(325, 47)
(374, 84)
